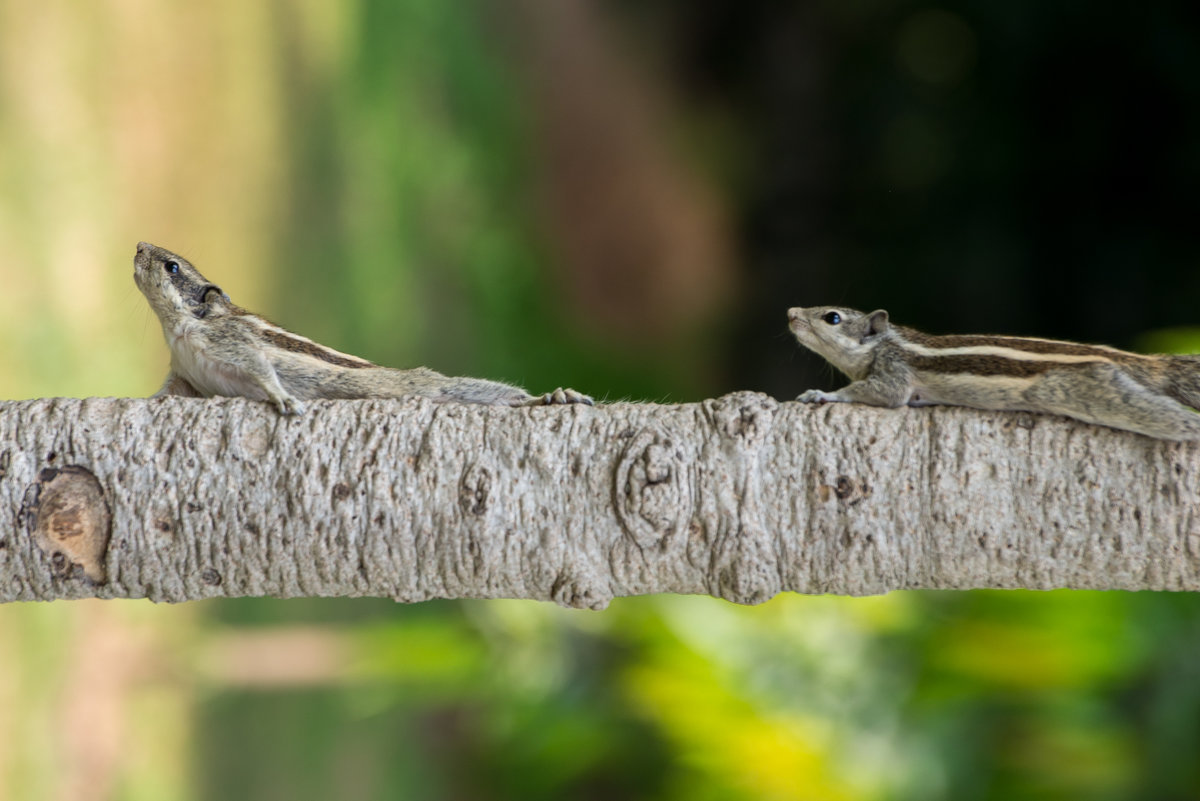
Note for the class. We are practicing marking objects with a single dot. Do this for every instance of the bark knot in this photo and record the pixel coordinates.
(744, 417)
(576, 592)
(651, 489)
(66, 514)
(474, 490)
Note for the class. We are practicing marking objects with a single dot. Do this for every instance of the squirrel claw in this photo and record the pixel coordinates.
(560, 396)
(289, 405)
(814, 396)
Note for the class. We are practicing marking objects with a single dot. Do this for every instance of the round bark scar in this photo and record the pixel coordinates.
(651, 489)
(69, 519)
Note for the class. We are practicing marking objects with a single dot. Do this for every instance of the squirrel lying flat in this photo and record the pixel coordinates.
(219, 348)
(890, 365)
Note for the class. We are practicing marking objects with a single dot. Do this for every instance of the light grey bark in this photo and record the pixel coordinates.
(739, 497)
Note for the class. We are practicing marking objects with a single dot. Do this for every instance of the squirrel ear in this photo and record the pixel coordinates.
(202, 293)
(877, 324)
(204, 302)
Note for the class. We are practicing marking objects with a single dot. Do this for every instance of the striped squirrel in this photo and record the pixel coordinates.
(218, 348)
(890, 365)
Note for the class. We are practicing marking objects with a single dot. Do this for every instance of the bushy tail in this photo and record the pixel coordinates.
(1183, 379)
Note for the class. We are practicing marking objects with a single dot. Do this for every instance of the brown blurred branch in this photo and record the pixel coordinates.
(643, 241)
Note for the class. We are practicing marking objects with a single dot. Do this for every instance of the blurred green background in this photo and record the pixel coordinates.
(623, 197)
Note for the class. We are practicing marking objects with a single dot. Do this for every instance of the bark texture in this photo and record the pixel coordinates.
(739, 497)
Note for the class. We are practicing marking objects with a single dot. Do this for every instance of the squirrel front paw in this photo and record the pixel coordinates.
(286, 404)
(558, 396)
(817, 396)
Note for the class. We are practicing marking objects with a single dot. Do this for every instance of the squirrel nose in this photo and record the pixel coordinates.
(794, 314)
(143, 247)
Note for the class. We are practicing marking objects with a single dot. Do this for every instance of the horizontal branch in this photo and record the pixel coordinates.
(738, 497)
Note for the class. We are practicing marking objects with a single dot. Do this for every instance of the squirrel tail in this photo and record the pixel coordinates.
(1183, 379)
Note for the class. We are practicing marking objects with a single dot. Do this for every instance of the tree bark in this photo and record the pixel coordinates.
(740, 497)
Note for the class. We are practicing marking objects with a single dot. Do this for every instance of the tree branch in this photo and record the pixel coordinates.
(739, 497)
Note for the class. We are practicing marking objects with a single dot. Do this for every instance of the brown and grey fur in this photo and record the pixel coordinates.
(890, 365)
(219, 348)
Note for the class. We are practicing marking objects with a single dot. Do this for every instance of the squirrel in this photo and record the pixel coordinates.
(890, 365)
(219, 348)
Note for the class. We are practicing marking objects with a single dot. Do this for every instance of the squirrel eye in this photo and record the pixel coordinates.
(833, 318)
(171, 266)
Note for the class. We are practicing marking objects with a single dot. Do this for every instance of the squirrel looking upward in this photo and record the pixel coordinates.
(219, 348)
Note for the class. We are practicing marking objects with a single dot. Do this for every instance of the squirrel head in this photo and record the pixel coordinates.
(173, 286)
(843, 337)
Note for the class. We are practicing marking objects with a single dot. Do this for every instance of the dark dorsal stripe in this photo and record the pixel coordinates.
(1014, 343)
(987, 365)
(286, 342)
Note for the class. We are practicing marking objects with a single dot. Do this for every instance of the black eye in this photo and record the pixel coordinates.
(171, 266)
(833, 318)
